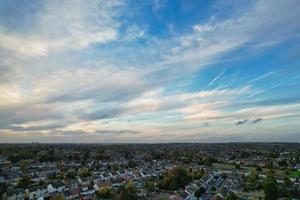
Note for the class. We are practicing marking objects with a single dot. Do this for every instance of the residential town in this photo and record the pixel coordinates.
(150, 171)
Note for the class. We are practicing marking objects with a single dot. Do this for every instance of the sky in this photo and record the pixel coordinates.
(153, 71)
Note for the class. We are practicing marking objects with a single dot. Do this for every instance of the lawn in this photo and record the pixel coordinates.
(222, 166)
(294, 174)
(243, 167)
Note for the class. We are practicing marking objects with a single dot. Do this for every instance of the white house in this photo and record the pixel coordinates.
(55, 187)
(37, 192)
(87, 192)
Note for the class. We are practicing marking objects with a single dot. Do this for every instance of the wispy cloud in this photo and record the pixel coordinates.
(64, 26)
(263, 76)
(86, 67)
(216, 78)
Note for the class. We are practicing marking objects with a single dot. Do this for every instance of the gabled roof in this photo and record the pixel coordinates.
(32, 189)
(67, 193)
(57, 184)
(15, 191)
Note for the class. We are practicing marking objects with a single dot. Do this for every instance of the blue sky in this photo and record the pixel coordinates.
(149, 71)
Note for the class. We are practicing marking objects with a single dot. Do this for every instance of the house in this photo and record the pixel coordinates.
(13, 177)
(87, 192)
(37, 192)
(2, 179)
(36, 178)
(219, 197)
(142, 194)
(115, 186)
(52, 171)
(190, 191)
(16, 194)
(96, 187)
(84, 181)
(55, 187)
(96, 174)
(69, 194)
(175, 197)
(105, 176)
(113, 175)
(72, 184)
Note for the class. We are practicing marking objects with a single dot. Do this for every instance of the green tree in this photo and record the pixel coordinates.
(104, 192)
(213, 188)
(231, 196)
(162, 198)
(287, 182)
(24, 182)
(283, 163)
(128, 192)
(200, 192)
(173, 183)
(71, 175)
(179, 176)
(24, 164)
(61, 175)
(258, 168)
(237, 166)
(58, 196)
(175, 178)
(116, 167)
(209, 161)
(270, 187)
(86, 155)
(150, 186)
(131, 164)
(3, 188)
(195, 175)
(84, 172)
(251, 180)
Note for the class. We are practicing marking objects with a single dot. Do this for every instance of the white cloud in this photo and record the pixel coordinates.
(67, 25)
(224, 114)
(185, 103)
(25, 46)
(52, 86)
(263, 22)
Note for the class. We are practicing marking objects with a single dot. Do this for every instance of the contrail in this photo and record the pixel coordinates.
(274, 86)
(262, 76)
(216, 78)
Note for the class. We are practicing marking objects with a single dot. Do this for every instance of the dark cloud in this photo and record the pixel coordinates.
(27, 113)
(70, 133)
(241, 122)
(102, 113)
(116, 132)
(97, 132)
(256, 120)
(37, 127)
(206, 124)
(6, 74)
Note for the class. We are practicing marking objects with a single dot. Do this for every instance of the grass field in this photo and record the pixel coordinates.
(222, 166)
(294, 174)
(248, 168)
(252, 195)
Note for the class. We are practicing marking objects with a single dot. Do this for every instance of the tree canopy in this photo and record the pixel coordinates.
(270, 187)
(175, 178)
(128, 192)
